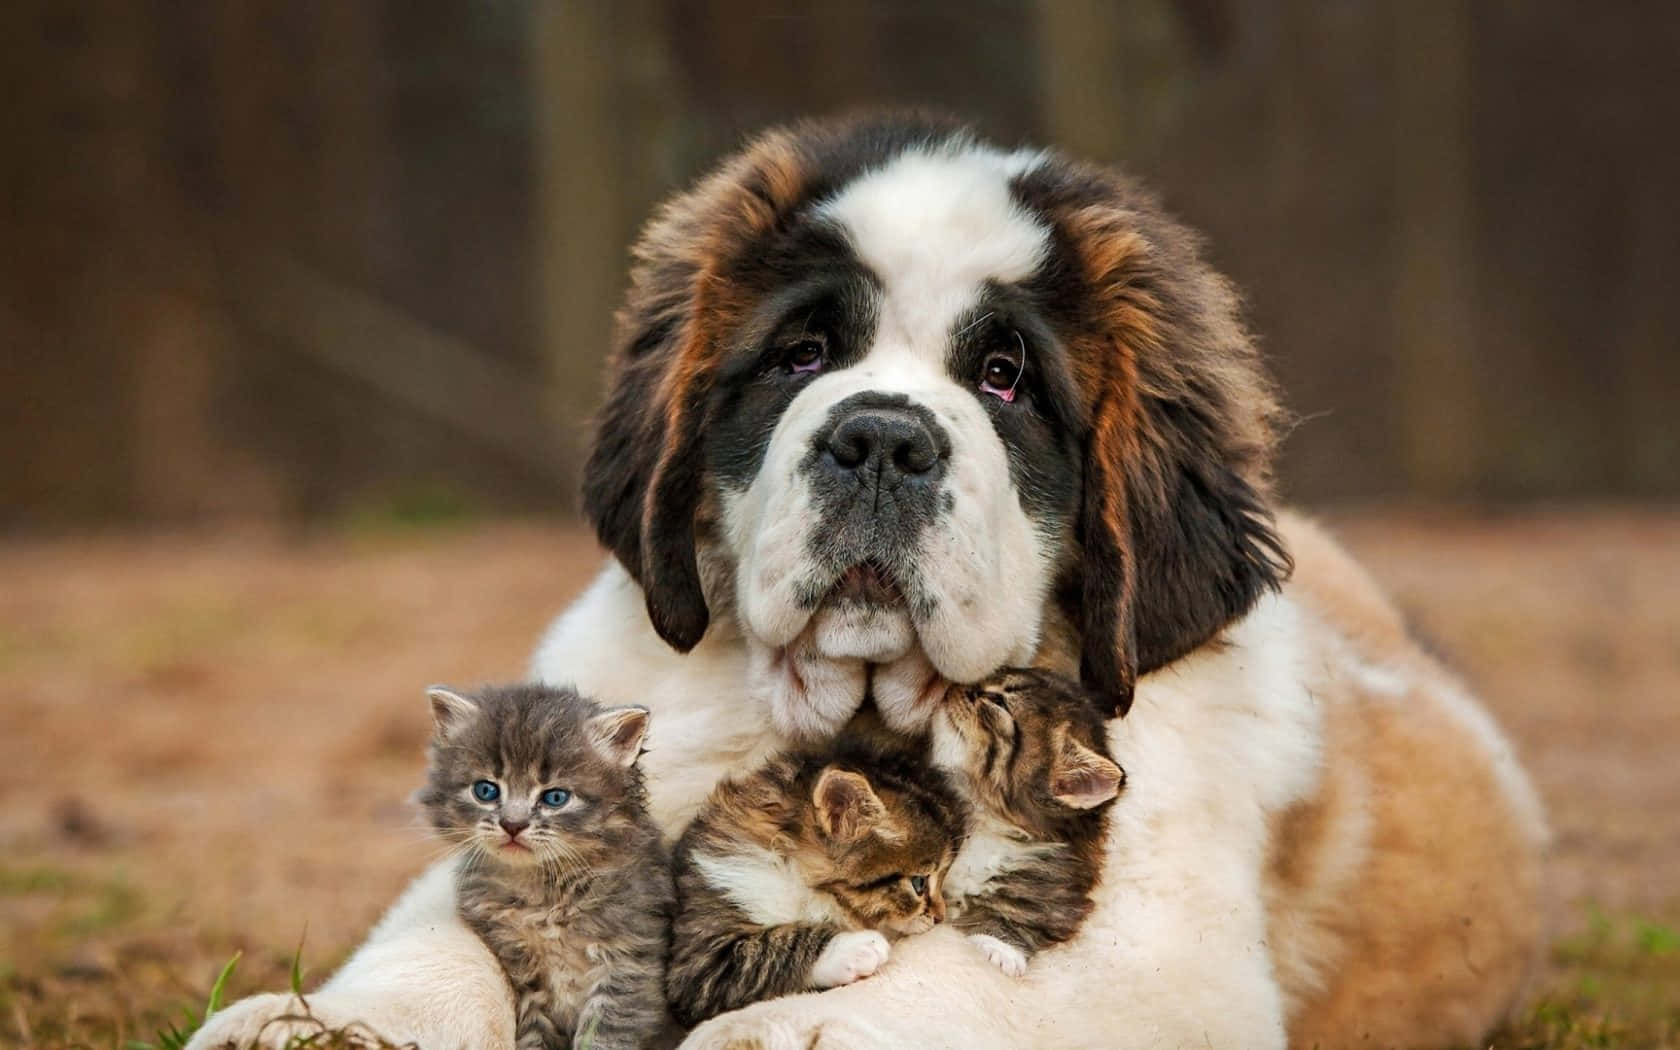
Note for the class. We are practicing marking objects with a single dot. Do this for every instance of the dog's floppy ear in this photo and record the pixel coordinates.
(1176, 532)
(641, 486)
(1108, 662)
(1184, 548)
(644, 479)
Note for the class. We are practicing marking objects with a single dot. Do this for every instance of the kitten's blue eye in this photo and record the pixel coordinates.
(486, 791)
(556, 797)
(918, 883)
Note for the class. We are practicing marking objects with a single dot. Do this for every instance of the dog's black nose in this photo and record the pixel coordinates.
(892, 442)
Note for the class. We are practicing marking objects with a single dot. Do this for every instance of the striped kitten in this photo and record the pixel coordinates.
(1029, 751)
(794, 877)
(565, 876)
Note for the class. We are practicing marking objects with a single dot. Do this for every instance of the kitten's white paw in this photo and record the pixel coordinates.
(848, 957)
(1005, 956)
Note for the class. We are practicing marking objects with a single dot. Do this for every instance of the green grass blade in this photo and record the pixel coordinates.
(297, 964)
(215, 1002)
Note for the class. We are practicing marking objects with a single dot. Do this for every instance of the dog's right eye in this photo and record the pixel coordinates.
(805, 355)
(1000, 376)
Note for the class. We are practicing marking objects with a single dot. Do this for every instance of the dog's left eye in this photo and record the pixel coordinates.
(806, 355)
(1000, 375)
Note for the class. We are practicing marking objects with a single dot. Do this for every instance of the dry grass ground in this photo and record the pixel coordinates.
(206, 743)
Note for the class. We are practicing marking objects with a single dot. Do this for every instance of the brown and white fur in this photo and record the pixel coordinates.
(1028, 751)
(800, 874)
(1324, 841)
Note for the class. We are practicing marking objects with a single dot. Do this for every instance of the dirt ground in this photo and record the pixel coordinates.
(207, 743)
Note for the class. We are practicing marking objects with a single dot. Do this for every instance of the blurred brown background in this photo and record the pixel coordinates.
(334, 267)
(296, 259)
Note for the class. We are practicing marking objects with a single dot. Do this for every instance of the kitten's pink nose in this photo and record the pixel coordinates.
(513, 827)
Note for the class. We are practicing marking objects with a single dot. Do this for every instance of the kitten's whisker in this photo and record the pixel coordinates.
(472, 853)
(555, 856)
(452, 845)
(561, 860)
(460, 847)
(439, 836)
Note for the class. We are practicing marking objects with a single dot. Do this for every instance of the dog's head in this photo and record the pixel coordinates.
(888, 396)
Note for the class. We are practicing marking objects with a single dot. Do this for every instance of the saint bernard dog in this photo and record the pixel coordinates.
(892, 407)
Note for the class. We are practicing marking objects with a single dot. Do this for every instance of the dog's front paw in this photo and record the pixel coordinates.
(771, 1026)
(849, 957)
(279, 1022)
(260, 1021)
(1005, 956)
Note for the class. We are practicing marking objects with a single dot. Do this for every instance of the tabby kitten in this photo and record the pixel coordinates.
(1029, 751)
(564, 876)
(793, 877)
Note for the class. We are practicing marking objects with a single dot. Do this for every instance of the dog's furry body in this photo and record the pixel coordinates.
(1324, 841)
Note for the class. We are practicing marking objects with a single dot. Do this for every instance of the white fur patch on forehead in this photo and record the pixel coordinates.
(936, 224)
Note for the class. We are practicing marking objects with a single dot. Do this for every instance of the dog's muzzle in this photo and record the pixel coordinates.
(877, 468)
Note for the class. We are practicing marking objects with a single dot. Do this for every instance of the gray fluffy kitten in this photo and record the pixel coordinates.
(564, 876)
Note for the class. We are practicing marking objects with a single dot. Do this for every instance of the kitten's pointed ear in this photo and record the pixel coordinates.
(450, 710)
(1079, 777)
(617, 733)
(848, 808)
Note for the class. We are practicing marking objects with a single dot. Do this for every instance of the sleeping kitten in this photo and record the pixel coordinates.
(1029, 751)
(792, 878)
(565, 877)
